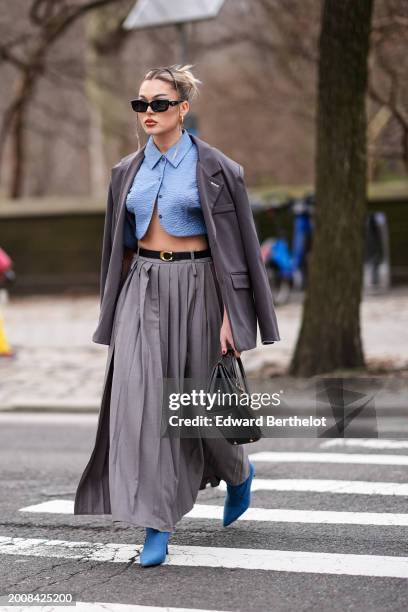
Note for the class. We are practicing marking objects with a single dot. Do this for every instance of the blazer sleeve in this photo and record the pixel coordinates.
(107, 241)
(264, 306)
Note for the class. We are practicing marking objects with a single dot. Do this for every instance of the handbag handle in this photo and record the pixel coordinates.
(230, 352)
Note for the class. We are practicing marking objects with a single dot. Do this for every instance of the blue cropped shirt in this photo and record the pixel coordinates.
(171, 178)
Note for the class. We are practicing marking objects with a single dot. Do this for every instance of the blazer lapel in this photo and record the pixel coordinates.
(209, 187)
(126, 182)
(127, 179)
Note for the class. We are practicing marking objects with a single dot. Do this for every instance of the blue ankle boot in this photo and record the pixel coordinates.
(238, 498)
(155, 547)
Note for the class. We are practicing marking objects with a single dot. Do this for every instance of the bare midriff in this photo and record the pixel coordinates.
(158, 239)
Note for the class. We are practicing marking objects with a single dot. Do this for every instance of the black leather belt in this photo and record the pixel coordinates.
(174, 255)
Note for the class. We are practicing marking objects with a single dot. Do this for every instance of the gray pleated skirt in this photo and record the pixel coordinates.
(167, 324)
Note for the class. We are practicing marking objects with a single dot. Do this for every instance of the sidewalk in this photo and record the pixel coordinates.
(58, 367)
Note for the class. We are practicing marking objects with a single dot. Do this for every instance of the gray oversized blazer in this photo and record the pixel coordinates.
(240, 272)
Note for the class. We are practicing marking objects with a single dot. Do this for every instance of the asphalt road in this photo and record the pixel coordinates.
(346, 547)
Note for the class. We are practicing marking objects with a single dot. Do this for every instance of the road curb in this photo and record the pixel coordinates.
(87, 406)
(93, 406)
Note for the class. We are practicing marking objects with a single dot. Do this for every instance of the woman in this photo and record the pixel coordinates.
(195, 287)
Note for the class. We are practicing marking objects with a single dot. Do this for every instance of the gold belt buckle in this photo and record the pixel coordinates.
(166, 258)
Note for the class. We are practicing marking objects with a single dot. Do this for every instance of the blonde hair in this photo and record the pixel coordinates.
(179, 77)
(184, 82)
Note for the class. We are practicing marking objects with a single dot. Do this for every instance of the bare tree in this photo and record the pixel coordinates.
(388, 86)
(105, 76)
(27, 52)
(288, 40)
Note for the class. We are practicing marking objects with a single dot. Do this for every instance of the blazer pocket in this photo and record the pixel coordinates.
(223, 207)
(240, 280)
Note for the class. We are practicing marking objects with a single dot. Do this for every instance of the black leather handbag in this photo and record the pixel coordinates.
(228, 376)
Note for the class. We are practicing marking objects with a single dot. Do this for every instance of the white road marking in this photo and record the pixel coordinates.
(295, 485)
(113, 607)
(301, 457)
(273, 515)
(351, 487)
(373, 443)
(55, 506)
(200, 556)
(285, 515)
(85, 606)
(47, 418)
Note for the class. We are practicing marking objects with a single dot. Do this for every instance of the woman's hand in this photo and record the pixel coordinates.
(226, 336)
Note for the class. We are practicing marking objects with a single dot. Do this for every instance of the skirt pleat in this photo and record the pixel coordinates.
(167, 323)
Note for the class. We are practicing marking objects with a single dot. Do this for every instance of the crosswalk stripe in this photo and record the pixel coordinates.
(87, 606)
(305, 485)
(294, 485)
(373, 443)
(308, 457)
(285, 515)
(200, 556)
(351, 487)
(113, 607)
(49, 418)
(275, 515)
(54, 506)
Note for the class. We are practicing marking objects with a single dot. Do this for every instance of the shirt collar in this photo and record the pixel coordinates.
(153, 154)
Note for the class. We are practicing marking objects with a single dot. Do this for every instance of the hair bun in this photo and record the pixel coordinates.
(183, 79)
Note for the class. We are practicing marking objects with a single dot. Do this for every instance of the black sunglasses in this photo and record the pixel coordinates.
(157, 106)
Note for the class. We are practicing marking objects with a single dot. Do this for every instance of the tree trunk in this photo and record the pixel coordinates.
(330, 336)
(17, 134)
(105, 77)
(51, 19)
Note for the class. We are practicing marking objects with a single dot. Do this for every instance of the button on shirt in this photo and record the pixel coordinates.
(171, 178)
